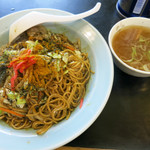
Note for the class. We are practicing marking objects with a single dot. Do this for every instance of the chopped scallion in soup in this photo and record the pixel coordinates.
(132, 45)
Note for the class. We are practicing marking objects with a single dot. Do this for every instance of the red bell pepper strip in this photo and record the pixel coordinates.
(81, 103)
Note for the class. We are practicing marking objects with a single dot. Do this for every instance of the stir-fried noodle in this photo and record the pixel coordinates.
(43, 77)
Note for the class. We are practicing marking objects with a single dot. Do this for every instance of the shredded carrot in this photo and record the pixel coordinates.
(11, 112)
(81, 103)
(69, 46)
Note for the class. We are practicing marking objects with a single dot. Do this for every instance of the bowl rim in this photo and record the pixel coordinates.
(112, 50)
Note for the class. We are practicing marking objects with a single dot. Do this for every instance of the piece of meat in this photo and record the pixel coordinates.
(3, 75)
(20, 39)
(38, 32)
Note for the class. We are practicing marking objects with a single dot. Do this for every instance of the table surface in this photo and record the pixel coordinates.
(125, 120)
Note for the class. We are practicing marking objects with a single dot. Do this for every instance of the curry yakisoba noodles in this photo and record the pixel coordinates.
(43, 78)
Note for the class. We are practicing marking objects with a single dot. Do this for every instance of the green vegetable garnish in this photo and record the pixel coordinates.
(12, 95)
(58, 65)
(20, 102)
(31, 44)
(0, 111)
(54, 55)
(65, 58)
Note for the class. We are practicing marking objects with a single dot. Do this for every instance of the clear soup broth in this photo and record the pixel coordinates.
(132, 45)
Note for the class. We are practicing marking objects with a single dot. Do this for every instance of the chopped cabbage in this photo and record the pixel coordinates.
(54, 55)
(78, 53)
(20, 102)
(12, 95)
(65, 58)
(31, 44)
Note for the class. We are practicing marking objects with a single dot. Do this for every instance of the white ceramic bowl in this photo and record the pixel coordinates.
(140, 21)
(97, 94)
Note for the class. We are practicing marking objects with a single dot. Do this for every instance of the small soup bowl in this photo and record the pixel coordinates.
(138, 21)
